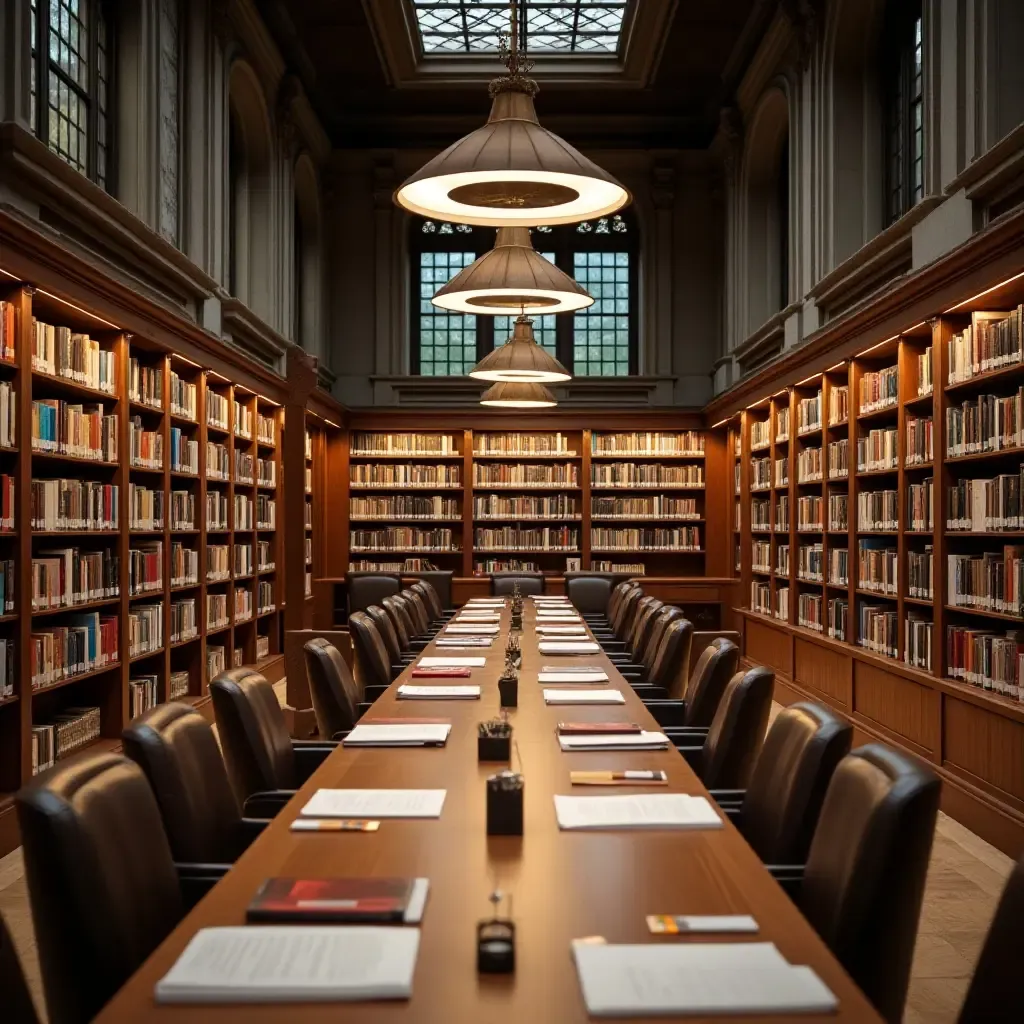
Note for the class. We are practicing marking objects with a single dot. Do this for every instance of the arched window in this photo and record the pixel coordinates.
(71, 83)
(601, 255)
(903, 91)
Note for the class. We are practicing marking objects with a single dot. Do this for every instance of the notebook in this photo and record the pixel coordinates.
(292, 964)
(596, 675)
(568, 647)
(441, 673)
(640, 811)
(409, 692)
(615, 741)
(404, 735)
(340, 900)
(375, 803)
(583, 697)
(448, 662)
(691, 979)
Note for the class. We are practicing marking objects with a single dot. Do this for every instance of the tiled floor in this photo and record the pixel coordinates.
(965, 879)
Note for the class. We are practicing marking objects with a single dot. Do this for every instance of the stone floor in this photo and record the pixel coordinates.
(965, 879)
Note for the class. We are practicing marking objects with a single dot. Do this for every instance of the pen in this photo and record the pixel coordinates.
(654, 778)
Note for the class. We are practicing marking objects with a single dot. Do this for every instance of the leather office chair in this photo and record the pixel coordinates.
(365, 588)
(663, 664)
(603, 620)
(101, 880)
(397, 657)
(335, 694)
(633, 644)
(265, 764)
(17, 1002)
(503, 583)
(373, 666)
(408, 635)
(779, 811)
(589, 592)
(439, 583)
(995, 995)
(176, 749)
(432, 599)
(703, 692)
(419, 613)
(726, 757)
(863, 883)
(621, 623)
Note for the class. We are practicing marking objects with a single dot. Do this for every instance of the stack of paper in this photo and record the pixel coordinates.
(463, 642)
(615, 741)
(549, 617)
(572, 675)
(447, 661)
(568, 647)
(292, 964)
(583, 697)
(486, 602)
(411, 735)
(705, 979)
(375, 803)
(545, 630)
(473, 629)
(653, 810)
(409, 692)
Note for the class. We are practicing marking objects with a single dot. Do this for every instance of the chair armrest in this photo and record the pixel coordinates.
(340, 735)
(248, 830)
(267, 803)
(693, 756)
(309, 755)
(789, 876)
(667, 712)
(693, 734)
(628, 666)
(196, 880)
(374, 690)
(727, 796)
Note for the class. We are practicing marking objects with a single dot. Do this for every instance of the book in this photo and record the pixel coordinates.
(411, 734)
(337, 900)
(597, 728)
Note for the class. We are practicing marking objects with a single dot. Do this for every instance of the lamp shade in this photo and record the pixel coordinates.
(512, 171)
(511, 278)
(506, 395)
(521, 360)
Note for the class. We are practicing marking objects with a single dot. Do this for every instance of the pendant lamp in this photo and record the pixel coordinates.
(507, 395)
(511, 278)
(512, 171)
(521, 360)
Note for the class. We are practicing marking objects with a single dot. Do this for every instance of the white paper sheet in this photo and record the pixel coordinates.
(407, 692)
(486, 602)
(568, 647)
(583, 697)
(647, 810)
(292, 963)
(475, 629)
(696, 979)
(617, 741)
(543, 619)
(375, 803)
(448, 662)
(414, 735)
(597, 676)
(545, 630)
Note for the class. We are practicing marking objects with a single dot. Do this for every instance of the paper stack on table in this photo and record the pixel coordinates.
(375, 803)
(398, 735)
(572, 675)
(696, 979)
(649, 810)
(568, 647)
(615, 741)
(546, 617)
(408, 692)
(486, 602)
(473, 629)
(447, 661)
(558, 630)
(583, 697)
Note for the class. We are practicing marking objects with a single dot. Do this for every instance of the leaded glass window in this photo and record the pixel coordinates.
(904, 106)
(447, 340)
(544, 327)
(601, 332)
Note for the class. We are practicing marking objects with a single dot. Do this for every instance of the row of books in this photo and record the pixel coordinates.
(264, 597)
(67, 428)
(761, 433)
(266, 513)
(8, 333)
(879, 390)
(781, 474)
(920, 582)
(808, 414)
(266, 473)
(522, 444)
(987, 659)
(925, 378)
(145, 447)
(60, 352)
(184, 453)
(809, 611)
(184, 565)
(760, 513)
(782, 424)
(496, 506)
(402, 538)
(992, 581)
(266, 429)
(146, 567)
(243, 563)
(878, 510)
(145, 628)
(243, 512)
(878, 450)
(838, 609)
(178, 684)
(643, 475)
(217, 611)
(243, 421)
(782, 514)
(243, 604)
(184, 398)
(218, 461)
(512, 538)
(878, 629)
(990, 342)
(920, 505)
(216, 511)
(262, 645)
(876, 566)
(216, 410)
(265, 554)
(364, 443)
(839, 459)
(917, 647)
(504, 474)
(655, 507)
(67, 577)
(245, 465)
(809, 510)
(8, 666)
(70, 504)
(809, 466)
(143, 694)
(761, 555)
(218, 562)
(8, 415)
(920, 440)
(782, 604)
(650, 442)
(810, 562)
(405, 565)
(760, 474)
(984, 505)
(761, 597)
(838, 511)
(408, 506)
(183, 511)
(839, 566)
(399, 474)
(145, 384)
(838, 404)
(71, 730)
(988, 423)
(625, 568)
(85, 643)
(782, 559)
(680, 538)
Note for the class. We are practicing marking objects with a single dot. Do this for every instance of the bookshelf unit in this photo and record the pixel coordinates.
(911, 627)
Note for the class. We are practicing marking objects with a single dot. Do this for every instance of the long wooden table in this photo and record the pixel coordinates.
(564, 885)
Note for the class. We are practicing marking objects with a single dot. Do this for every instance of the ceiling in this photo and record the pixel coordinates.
(377, 80)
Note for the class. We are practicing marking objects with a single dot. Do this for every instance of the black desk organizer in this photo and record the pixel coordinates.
(505, 804)
(494, 741)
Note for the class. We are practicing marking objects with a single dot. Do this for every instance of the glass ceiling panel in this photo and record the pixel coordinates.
(472, 26)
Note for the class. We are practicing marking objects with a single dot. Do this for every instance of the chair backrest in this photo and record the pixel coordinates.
(404, 626)
(417, 610)
(646, 611)
(588, 593)
(865, 872)
(626, 610)
(789, 781)
(671, 661)
(253, 733)
(101, 881)
(615, 601)
(430, 598)
(365, 588)
(648, 653)
(995, 993)
(373, 667)
(388, 633)
(737, 731)
(176, 749)
(440, 583)
(18, 1007)
(503, 583)
(708, 680)
(332, 689)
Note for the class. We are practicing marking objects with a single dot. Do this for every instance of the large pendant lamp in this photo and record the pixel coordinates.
(505, 395)
(510, 279)
(512, 171)
(521, 360)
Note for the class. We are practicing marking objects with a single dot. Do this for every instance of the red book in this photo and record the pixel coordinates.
(308, 900)
(455, 672)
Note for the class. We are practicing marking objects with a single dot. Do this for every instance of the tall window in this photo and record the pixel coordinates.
(904, 106)
(72, 65)
(598, 341)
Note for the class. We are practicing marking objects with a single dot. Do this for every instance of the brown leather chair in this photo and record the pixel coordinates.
(664, 664)
(726, 757)
(398, 657)
(418, 612)
(265, 764)
(176, 749)
(503, 583)
(17, 1002)
(864, 880)
(621, 622)
(633, 645)
(408, 633)
(703, 691)
(995, 995)
(439, 613)
(334, 692)
(439, 583)
(101, 880)
(364, 588)
(589, 592)
(373, 666)
(603, 620)
(779, 810)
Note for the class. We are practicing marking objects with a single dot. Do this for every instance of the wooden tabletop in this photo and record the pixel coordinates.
(564, 885)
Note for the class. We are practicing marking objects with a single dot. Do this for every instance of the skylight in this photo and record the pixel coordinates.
(472, 26)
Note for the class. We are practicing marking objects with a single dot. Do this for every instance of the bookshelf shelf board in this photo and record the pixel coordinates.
(842, 533)
(65, 386)
(4, 701)
(838, 425)
(406, 551)
(837, 479)
(529, 487)
(983, 533)
(761, 529)
(266, 487)
(780, 487)
(760, 490)
(405, 487)
(269, 529)
(531, 551)
(657, 456)
(808, 582)
(267, 570)
(1017, 450)
(217, 529)
(216, 428)
(38, 613)
(918, 533)
(982, 696)
(887, 411)
(527, 456)
(147, 595)
(876, 533)
(145, 654)
(182, 643)
(862, 473)
(844, 587)
(265, 613)
(185, 530)
(8, 364)
(644, 519)
(980, 380)
(403, 519)
(78, 460)
(247, 576)
(809, 432)
(185, 421)
(643, 487)
(761, 447)
(920, 401)
(181, 474)
(8, 449)
(650, 551)
(154, 470)
(861, 592)
(1002, 616)
(92, 673)
(405, 456)
(811, 483)
(185, 586)
(8, 617)
(144, 407)
(922, 602)
(761, 572)
(911, 466)
(780, 441)
(76, 533)
(214, 630)
(134, 532)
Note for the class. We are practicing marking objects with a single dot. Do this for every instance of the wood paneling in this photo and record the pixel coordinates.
(823, 671)
(772, 647)
(898, 706)
(986, 745)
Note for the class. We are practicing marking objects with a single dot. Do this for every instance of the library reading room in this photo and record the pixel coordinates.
(636, 387)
